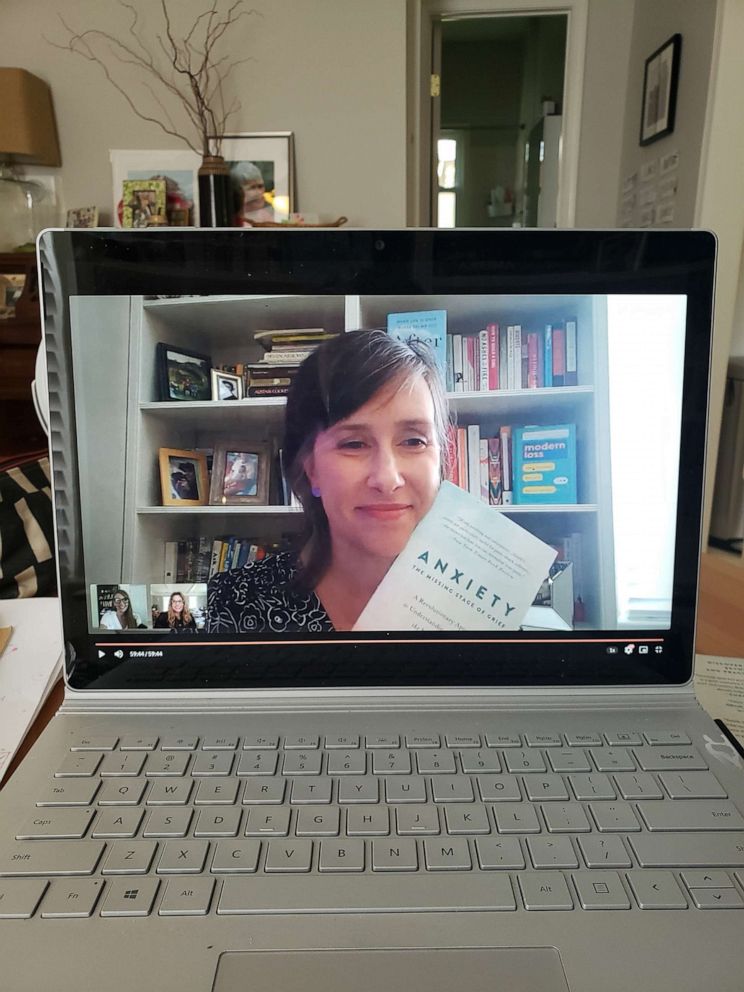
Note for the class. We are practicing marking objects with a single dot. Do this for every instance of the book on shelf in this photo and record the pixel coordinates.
(571, 373)
(463, 568)
(495, 477)
(548, 355)
(483, 493)
(505, 437)
(290, 335)
(457, 365)
(559, 355)
(545, 464)
(427, 327)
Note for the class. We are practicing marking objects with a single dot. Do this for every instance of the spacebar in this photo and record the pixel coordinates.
(366, 893)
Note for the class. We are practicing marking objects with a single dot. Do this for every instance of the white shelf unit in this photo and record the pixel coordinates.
(223, 328)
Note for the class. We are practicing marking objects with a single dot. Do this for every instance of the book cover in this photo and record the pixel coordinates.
(427, 327)
(559, 355)
(483, 359)
(571, 374)
(545, 464)
(510, 335)
(532, 361)
(474, 460)
(495, 482)
(214, 564)
(493, 356)
(470, 361)
(504, 358)
(464, 568)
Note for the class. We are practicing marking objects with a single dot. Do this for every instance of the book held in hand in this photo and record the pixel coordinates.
(466, 567)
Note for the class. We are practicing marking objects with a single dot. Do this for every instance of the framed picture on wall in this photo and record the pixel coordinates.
(660, 79)
(262, 172)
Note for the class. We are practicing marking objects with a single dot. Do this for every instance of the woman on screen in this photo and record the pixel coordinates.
(364, 446)
(177, 617)
(122, 617)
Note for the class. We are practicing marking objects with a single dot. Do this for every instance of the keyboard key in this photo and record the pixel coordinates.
(718, 850)
(236, 856)
(542, 787)
(60, 823)
(227, 742)
(499, 852)
(391, 762)
(318, 821)
(480, 760)
(72, 898)
(567, 760)
(452, 854)
(375, 893)
(260, 742)
(341, 855)
(117, 823)
(187, 897)
(51, 857)
(423, 740)
(168, 823)
(405, 790)
(552, 852)
(213, 763)
(301, 742)
(695, 814)
(382, 740)
(600, 890)
(347, 763)
(218, 823)
(592, 786)
(466, 820)
(264, 791)
(565, 818)
(367, 821)
(217, 792)
(183, 857)
(613, 817)
(163, 793)
(463, 740)
(167, 763)
(130, 897)
(181, 743)
(499, 788)
(416, 820)
(516, 818)
(692, 785)
(584, 740)
(452, 789)
(311, 790)
(662, 759)
(95, 742)
(623, 738)
(612, 759)
(129, 857)
(69, 792)
(359, 790)
(604, 852)
(707, 879)
(503, 740)
(262, 822)
(342, 742)
(543, 740)
(521, 760)
(289, 856)
(19, 897)
(394, 855)
(122, 792)
(545, 890)
(717, 898)
(667, 737)
(638, 785)
(79, 764)
(144, 743)
(656, 890)
(302, 763)
(436, 762)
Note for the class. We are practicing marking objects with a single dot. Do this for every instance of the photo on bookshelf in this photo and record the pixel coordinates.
(226, 386)
(240, 474)
(183, 375)
(183, 477)
(143, 200)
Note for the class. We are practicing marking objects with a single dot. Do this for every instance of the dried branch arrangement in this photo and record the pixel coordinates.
(193, 65)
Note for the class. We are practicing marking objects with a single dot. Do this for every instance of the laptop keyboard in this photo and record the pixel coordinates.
(190, 826)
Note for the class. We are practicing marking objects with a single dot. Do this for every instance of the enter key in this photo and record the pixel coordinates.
(691, 815)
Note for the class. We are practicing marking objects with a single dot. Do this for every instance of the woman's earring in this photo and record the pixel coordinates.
(315, 491)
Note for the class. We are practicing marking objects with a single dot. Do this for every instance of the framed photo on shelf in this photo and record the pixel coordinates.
(143, 200)
(240, 474)
(177, 167)
(262, 173)
(660, 79)
(183, 477)
(82, 217)
(226, 386)
(183, 375)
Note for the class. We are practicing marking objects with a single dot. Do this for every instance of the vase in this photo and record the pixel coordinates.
(215, 193)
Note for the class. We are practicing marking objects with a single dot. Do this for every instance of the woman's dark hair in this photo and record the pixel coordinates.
(334, 381)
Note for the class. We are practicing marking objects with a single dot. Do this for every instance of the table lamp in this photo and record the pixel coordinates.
(28, 136)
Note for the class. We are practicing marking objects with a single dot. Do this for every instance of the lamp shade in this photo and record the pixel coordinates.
(28, 130)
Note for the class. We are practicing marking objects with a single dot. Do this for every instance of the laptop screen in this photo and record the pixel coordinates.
(354, 458)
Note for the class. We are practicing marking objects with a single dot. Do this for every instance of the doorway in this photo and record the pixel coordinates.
(464, 55)
(496, 124)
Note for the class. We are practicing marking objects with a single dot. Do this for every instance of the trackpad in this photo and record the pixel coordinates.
(495, 969)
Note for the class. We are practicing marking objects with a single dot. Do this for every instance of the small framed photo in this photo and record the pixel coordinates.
(226, 386)
(183, 477)
(82, 217)
(183, 375)
(178, 168)
(660, 79)
(262, 173)
(240, 474)
(143, 201)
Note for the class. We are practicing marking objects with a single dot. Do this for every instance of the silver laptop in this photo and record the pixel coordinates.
(243, 791)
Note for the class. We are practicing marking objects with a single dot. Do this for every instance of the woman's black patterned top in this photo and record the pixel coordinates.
(263, 596)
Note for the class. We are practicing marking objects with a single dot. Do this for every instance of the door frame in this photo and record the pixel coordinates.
(420, 17)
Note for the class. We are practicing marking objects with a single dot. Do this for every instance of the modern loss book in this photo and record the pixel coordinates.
(465, 567)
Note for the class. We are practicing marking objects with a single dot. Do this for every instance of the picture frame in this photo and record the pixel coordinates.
(182, 375)
(255, 158)
(82, 217)
(183, 477)
(226, 386)
(143, 202)
(178, 167)
(240, 473)
(660, 80)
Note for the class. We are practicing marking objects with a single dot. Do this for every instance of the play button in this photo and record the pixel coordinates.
(101, 654)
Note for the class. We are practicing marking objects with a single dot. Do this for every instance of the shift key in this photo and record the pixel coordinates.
(692, 814)
(720, 850)
(43, 857)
